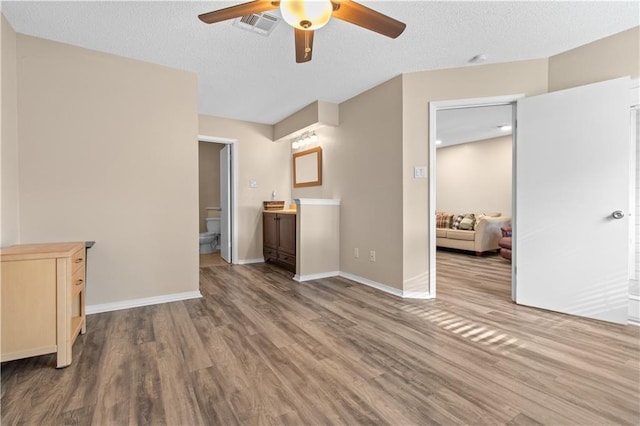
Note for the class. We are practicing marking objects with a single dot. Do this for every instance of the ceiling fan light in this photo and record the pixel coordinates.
(307, 14)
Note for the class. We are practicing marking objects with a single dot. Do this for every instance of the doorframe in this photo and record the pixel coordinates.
(633, 167)
(233, 175)
(434, 107)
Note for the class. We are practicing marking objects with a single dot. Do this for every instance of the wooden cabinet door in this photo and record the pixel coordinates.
(287, 233)
(270, 230)
(28, 308)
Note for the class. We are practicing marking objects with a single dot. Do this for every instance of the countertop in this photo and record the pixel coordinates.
(40, 251)
(283, 211)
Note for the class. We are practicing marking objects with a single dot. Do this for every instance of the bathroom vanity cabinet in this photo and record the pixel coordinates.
(279, 238)
(43, 300)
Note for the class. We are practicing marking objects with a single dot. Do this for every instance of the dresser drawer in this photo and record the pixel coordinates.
(269, 254)
(77, 279)
(287, 258)
(75, 290)
(78, 260)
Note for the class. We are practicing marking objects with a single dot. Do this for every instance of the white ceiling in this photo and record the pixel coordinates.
(250, 77)
(462, 125)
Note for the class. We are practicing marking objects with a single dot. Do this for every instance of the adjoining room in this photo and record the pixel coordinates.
(474, 184)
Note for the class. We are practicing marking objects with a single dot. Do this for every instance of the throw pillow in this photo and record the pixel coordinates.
(467, 222)
(456, 223)
(443, 220)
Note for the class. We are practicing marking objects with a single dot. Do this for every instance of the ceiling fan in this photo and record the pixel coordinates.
(306, 16)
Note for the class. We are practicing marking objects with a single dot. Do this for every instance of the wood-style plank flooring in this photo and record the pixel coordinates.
(212, 259)
(259, 348)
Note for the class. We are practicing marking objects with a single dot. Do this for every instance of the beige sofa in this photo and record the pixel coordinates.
(484, 236)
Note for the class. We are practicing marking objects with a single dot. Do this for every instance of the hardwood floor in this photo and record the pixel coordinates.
(259, 348)
(211, 259)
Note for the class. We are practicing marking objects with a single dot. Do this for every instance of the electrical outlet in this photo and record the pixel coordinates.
(356, 253)
(253, 183)
(372, 256)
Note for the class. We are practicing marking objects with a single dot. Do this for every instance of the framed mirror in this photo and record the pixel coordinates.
(307, 168)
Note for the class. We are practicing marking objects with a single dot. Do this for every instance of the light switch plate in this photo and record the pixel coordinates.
(253, 183)
(420, 172)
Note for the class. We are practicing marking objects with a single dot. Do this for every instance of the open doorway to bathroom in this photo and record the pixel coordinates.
(216, 206)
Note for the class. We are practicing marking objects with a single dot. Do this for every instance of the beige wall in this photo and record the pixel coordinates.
(475, 177)
(209, 179)
(362, 167)
(317, 239)
(299, 120)
(108, 152)
(605, 59)
(9, 222)
(259, 159)
(420, 88)
(110, 142)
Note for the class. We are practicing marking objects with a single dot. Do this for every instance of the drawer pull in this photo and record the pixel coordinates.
(79, 260)
(80, 281)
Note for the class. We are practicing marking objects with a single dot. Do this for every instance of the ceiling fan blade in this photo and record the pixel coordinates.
(304, 45)
(364, 17)
(243, 9)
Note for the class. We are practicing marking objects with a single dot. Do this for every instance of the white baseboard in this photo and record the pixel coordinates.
(250, 261)
(374, 284)
(634, 310)
(416, 295)
(385, 288)
(136, 303)
(303, 278)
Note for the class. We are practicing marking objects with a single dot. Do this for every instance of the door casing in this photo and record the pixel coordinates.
(233, 143)
(434, 107)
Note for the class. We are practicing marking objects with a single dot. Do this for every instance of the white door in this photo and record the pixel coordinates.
(225, 203)
(572, 174)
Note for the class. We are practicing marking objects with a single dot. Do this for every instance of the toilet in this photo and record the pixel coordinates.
(210, 240)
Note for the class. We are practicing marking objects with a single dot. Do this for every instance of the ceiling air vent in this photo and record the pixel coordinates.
(260, 23)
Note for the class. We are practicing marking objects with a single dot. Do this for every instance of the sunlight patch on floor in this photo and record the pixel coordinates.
(476, 333)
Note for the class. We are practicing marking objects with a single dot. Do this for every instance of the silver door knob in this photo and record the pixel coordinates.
(617, 214)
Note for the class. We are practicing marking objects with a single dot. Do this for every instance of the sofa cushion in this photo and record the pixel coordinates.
(459, 234)
(468, 222)
(441, 232)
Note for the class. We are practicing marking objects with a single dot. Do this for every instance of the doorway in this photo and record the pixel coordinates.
(225, 209)
(502, 102)
(561, 268)
(474, 182)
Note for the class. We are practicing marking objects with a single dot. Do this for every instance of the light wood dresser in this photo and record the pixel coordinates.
(43, 300)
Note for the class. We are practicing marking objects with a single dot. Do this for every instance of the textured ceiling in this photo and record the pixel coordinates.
(462, 125)
(250, 77)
